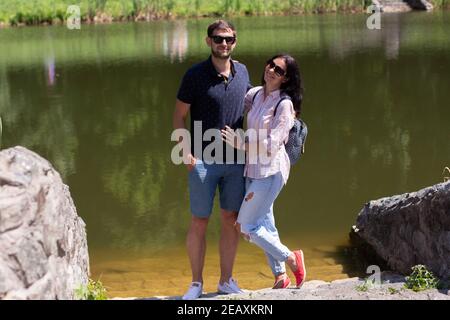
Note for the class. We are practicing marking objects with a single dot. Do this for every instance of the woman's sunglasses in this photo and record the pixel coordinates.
(277, 69)
(219, 39)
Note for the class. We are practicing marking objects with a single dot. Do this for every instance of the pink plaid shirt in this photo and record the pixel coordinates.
(260, 116)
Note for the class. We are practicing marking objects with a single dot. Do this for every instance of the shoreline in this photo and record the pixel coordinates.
(147, 275)
(103, 18)
(148, 16)
(390, 288)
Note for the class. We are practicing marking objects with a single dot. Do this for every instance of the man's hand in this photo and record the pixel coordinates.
(232, 138)
(190, 163)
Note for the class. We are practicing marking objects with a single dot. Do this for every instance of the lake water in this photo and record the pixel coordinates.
(98, 103)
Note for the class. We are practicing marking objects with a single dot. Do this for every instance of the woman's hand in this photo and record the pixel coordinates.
(233, 138)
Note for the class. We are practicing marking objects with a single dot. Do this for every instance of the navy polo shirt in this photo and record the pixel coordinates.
(215, 100)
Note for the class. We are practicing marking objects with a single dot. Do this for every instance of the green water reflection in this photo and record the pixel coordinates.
(98, 104)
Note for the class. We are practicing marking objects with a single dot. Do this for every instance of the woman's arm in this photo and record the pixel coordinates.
(278, 132)
(248, 100)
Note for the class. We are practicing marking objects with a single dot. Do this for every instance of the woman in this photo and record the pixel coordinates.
(271, 111)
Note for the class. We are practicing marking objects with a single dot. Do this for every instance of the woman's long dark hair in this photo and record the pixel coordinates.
(293, 87)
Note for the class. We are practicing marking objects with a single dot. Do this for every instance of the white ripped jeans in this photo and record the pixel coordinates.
(257, 220)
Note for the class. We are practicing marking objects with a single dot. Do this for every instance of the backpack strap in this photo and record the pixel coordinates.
(254, 96)
(282, 99)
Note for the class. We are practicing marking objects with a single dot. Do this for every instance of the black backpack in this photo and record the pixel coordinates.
(295, 145)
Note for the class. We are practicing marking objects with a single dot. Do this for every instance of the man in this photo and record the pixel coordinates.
(213, 92)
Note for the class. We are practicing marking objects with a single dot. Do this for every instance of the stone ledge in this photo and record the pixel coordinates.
(345, 289)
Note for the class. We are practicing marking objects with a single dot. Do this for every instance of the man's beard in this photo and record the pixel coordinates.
(221, 55)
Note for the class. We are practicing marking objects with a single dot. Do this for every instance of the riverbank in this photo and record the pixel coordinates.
(23, 12)
(18, 12)
(391, 288)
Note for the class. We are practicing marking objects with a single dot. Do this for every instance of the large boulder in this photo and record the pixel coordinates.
(43, 247)
(401, 5)
(406, 230)
(420, 4)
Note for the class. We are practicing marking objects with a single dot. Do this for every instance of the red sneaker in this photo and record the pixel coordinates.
(282, 283)
(300, 274)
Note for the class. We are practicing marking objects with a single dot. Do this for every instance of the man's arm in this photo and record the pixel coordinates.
(180, 114)
(179, 122)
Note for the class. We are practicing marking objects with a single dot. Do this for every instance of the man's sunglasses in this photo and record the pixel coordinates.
(277, 69)
(219, 39)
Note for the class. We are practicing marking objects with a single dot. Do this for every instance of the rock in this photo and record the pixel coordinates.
(390, 287)
(406, 230)
(390, 6)
(43, 246)
(420, 4)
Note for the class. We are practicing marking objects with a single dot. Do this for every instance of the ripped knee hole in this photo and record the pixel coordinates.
(249, 196)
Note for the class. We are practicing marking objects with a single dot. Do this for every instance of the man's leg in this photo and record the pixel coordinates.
(196, 246)
(202, 187)
(231, 189)
(229, 239)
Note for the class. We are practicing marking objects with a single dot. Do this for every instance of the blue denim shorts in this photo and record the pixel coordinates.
(203, 181)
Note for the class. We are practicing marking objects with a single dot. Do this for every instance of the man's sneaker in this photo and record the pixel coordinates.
(300, 273)
(194, 292)
(229, 287)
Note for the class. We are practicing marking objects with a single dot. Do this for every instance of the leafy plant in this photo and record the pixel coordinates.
(94, 290)
(393, 290)
(14, 12)
(421, 279)
(368, 284)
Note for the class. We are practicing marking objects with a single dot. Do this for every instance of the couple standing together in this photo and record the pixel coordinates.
(218, 93)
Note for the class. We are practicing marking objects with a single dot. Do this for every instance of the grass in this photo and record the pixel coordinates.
(421, 279)
(393, 290)
(441, 3)
(29, 12)
(366, 285)
(94, 290)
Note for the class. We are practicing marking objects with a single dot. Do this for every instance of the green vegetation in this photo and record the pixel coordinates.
(28, 12)
(421, 279)
(441, 3)
(17, 12)
(94, 290)
(393, 290)
(368, 284)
